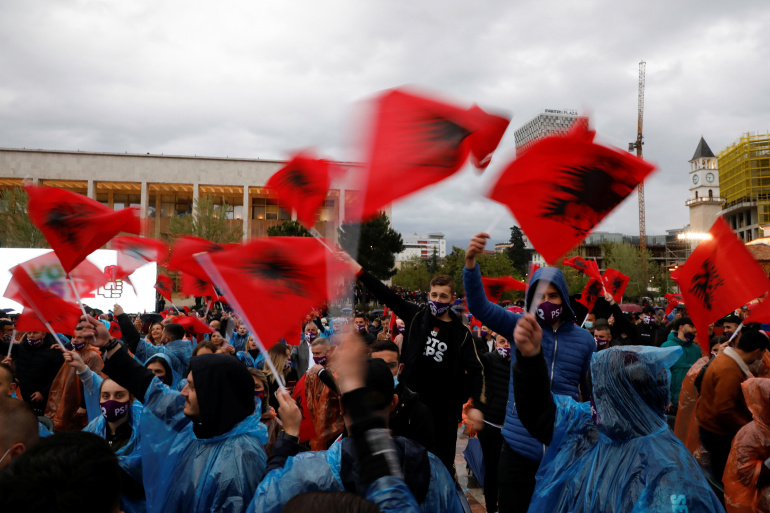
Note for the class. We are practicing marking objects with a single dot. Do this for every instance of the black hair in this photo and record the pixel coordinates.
(168, 378)
(683, 321)
(384, 345)
(174, 331)
(5, 322)
(753, 339)
(62, 466)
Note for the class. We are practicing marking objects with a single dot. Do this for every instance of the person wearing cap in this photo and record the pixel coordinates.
(721, 409)
(202, 449)
(339, 468)
(683, 335)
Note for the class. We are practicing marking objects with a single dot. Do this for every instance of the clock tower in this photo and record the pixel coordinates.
(705, 202)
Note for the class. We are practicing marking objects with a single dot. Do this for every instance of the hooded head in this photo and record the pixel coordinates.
(631, 389)
(162, 362)
(225, 393)
(756, 391)
(554, 276)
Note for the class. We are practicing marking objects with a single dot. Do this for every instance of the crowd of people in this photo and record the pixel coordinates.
(574, 410)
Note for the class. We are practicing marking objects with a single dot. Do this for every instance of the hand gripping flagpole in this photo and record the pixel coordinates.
(204, 259)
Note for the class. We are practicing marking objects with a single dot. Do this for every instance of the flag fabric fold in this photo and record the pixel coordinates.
(75, 226)
(615, 282)
(588, 267)
(417, 141)
(48, 274)
(719, 276)
(591, 293)
(135, 252)
(165, 286)
(563, 186)
(496, 287)
(41, 306)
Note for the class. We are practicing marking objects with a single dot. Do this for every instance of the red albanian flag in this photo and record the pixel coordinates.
(720, 276)
(193, 325)
(195, 287)
(563, 186)
(417, 141)
(495, 287)
(671, 305)
(183, 255)
(587, 267)
(135, 252)
(75, 226)
(672, 297)
(41, 306)
(615, 282)
(48, 274)
(165, 286)
(758, 312)
(591, 293)
(274, 282)
(302, 184)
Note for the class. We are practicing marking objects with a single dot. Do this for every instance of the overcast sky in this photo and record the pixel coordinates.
(259, 79)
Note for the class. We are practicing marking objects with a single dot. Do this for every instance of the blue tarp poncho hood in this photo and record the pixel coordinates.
(629, 460)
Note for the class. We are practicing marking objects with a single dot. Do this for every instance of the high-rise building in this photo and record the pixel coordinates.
(549, 122)
(705, 202)
(423, 246)
(744, 177)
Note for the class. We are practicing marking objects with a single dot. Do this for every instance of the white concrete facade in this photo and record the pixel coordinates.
(423, 246)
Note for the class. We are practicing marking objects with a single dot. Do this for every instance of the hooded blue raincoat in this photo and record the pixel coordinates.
(186, 474)
(179, 351)
(320, 470)
(629, 460)
(175, 376)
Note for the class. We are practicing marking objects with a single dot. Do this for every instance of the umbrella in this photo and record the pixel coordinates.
(475, 459)
(630, 307)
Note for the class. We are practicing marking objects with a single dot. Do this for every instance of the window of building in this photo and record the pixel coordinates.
(711, 194)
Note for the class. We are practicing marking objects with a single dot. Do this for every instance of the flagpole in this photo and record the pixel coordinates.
(542, 285)
(40, 316)
(205, 262)
(737, 330)
(10, 345)
(495, 222)
(77, 296)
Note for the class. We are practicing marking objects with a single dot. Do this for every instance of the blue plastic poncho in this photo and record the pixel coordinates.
(129, 456)
(186, 474)
(629, 460)
(175, 376)
(179, 351)
(239, 341)
(320, 470)
(250, 361)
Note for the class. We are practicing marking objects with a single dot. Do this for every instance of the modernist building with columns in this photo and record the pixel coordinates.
(165, 186)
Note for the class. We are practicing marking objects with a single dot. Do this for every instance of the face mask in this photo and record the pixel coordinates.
(320, 360)
(689, 337)
(287, 365)
(588, 325)
(600, 344)
(549, 312)
(713, 355)
(77, 346)
(728, 334)
(395, 381)
(505, 352)
(114, 410)
(401, 329)
(438, 308)
(259, 393)
(482, 333)
(34, 342)
(361, 328)
(310, 336)
(7, 338)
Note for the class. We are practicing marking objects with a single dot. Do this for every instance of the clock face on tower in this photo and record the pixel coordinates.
(695, 179)
(710, 177)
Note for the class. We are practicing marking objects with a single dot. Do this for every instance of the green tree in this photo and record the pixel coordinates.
(452, 265)
(517, 253)
(497, 265)
(208, 221)
(576, 280)
(377, 243)
(432, 264)
(413, 274)
(626, 258)
(16, 229)
(288, 229)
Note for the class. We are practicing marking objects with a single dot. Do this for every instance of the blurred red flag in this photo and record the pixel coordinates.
(417, 141)
(274, 282)
(192, 286)
(563, 186)
(135, 252)
(75, 226)
(183, 255)
(591, 293)
(587, 267)
(720, 276)
(671, 305)
(48, 274)
(495, 287)
(615, 282)
(671, 297)
(758, 312)
(192, 324)
(165, 286)
(302, 184)
(40, 305)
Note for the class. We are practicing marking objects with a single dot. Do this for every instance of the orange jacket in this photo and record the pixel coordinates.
(721, 408)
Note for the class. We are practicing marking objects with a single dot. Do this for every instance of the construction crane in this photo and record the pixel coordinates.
(638, 146)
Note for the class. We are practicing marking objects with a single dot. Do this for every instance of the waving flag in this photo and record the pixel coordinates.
(587, 267)
(41, 306)
(591, 293)
(193, 325)
(135, 252)
(418, 141)
(615, 282)
(195, 287)
(183, 255)
(49, 275)
(495, 287)
(562, 187)
(165, 286)
(302, 184)
(720, 276)
(274, 282)
(75, 226)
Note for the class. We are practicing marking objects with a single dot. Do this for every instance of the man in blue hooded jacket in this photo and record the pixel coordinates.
(567, 349)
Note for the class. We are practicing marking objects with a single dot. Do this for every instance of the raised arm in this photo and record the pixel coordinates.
(130, 335)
